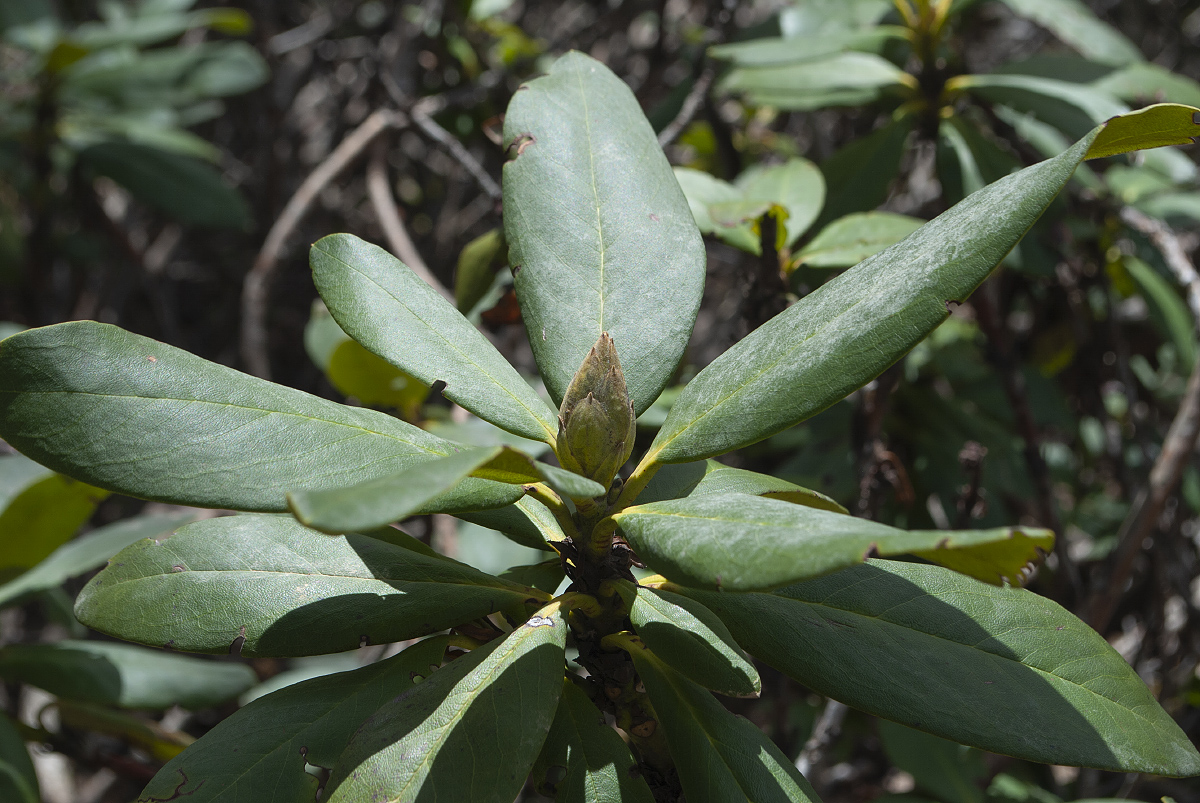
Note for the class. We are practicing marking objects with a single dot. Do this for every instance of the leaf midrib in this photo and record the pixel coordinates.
(444, 731)
(348, 577)
(879, 618)
(232, 405)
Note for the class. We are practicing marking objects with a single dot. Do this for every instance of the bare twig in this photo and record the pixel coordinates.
(691, 105)
(1172, 252)
(1178, 446)
(256, 285)
(434, 131)
(380, 193)
(1000, 352)
(825, 731)
(421, 112)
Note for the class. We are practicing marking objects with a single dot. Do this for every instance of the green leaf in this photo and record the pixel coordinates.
(124, 675)
(950, 772)
(88, 552)
(721, 758)
(259, 752)
(600, 236)
(1184, 205)
(1142, 81)
(356, 372)
(857, 177)
(383, 500)
(691, 639)
(584, 760)
(739, 542)
(1170, 308)
(470, 732)
(1076, 25)
(1001, 669)
(968, 159)
(1048, 141)
(183, 188)
(849, 240)
(139, 417)
(847, 331)
(526, 521)
(18, 781)
(777, 51)
(387, 308)
(547, 575)
(722, 479)
(701, 478)
(476, 269)
(816, 84)
(1072, 108)
(39, 511)
(312, 593)
(704, 193)
(1151, 127)
(796, 185)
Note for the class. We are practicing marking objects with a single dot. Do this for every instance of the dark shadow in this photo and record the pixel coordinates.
(877, 641)
(427, 594)
(492, 747)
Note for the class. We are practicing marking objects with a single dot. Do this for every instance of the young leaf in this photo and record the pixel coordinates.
(259, 752)
(704, 192)
(18, 781)
(313, 593)
(469, 732)
(831, 342)
(849, 240)
(124, 675)
(387, 308)
(600, 236)
(932, 649)
(584, 760)
(87, 552)
(39, 511)
(692, 639)
(133, 415)
(720, 757)
(796, 185)
(739, 542)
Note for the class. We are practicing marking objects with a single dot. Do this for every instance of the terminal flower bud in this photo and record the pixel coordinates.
(596, 424)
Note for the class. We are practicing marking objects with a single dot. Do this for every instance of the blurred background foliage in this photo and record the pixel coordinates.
(164, 164)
